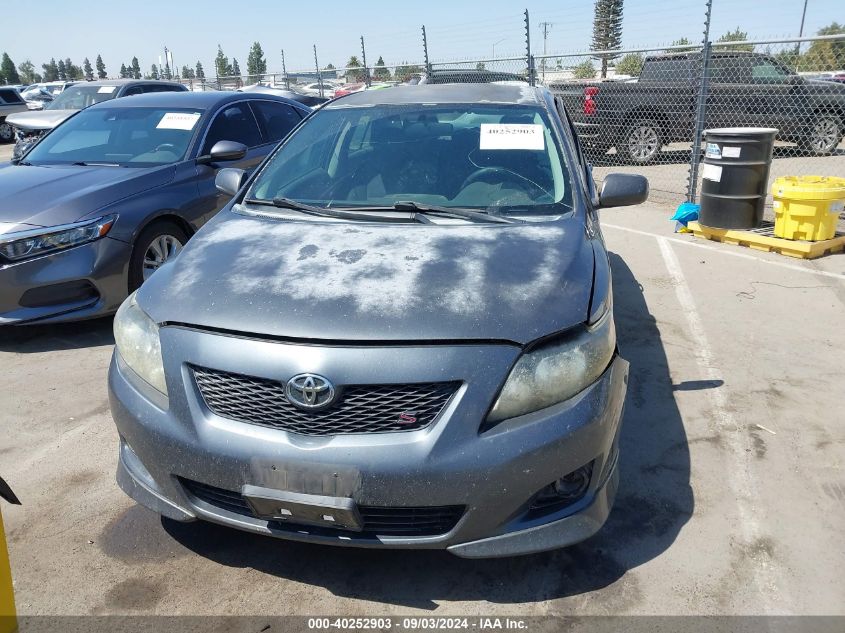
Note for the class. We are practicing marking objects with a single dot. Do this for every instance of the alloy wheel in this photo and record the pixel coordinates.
(643, 143)
(6, 132)
(160, 250)
(825, 136)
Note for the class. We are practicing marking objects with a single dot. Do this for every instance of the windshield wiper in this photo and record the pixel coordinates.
(455, 212)
(82, 163)
(287, 203)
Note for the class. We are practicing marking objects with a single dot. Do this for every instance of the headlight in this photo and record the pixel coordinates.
(557, 371)
(137, 342)
(24, 244)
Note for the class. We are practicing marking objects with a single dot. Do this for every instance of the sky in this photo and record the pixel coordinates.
(457, 29)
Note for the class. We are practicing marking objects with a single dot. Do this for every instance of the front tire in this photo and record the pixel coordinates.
(7, 133)
(642, 142)
(157, 244)
(823, 136)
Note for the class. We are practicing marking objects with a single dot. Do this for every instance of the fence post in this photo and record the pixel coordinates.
(701, 110)
(425, 52)
(319, 76)
(529, 58)
(367, 79)
(285, 71)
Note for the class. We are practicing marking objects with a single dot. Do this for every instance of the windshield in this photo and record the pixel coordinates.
(491, 157)
(129, 137)
(79, 97)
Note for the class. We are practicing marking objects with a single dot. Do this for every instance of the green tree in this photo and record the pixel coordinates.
(826, 55)
(735, 36)
(88, 70)
(256, 64)
(166, 73)
(584, 70)
(607, 30)
(101, 68)
(681, 42)
(123, 73)
(200, 71)
(235, 68)
(8, 72)
(354, 69)
(630, 64)
(405, 71)
(188, 73)
(27, 73)
(480, 66)
(330, 67)
(221, 63)
(153, 72)
(61, 70)
(381, 72)
(136, 68)
(51, 71)
(73, 71)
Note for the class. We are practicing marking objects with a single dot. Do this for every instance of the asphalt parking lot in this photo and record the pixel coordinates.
(732, 496)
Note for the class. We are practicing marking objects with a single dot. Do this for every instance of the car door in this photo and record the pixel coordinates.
(729, 98)
(233, 122)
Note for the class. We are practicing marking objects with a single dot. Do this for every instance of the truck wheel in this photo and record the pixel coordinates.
(823, 136)
(6, 132)
(642, 142)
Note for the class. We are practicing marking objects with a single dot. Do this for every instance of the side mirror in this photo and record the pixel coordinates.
(229, 180)
(622, 190)
(224, 151)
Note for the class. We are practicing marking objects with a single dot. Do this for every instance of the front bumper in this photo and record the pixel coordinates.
(80, 282)
(493, 474)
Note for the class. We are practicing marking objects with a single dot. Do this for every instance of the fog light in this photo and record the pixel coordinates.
(566, 490)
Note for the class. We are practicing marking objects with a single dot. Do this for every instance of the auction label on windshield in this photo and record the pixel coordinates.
(512, 136)
(107, 90)
(178, 121)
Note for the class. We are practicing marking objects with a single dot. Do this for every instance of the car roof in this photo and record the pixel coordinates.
(510, 92)
(127, 82)
(202, 100)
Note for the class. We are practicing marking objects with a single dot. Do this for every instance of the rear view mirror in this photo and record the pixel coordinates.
(622, 190)
(229, 180)
(224, 151)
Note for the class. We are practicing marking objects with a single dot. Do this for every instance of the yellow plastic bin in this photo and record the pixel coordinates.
(807, 207)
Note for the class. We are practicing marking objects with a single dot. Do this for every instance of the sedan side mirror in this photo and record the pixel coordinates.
(622, 190)
(230, 180)
(224, 151)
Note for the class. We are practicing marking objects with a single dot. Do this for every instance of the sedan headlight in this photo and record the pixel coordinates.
(137, 342)
(557, 371)
(35, 242)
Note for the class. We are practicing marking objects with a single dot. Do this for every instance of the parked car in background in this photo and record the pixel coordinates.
(399, 334)
(281, 91)
(38, 95)
(11, 102)
(93, 209)
(32, 126)
(314, 89)
(348, 89)
(745, 90)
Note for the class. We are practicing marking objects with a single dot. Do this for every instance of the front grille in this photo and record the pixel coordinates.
(358, 408)
(378, 520)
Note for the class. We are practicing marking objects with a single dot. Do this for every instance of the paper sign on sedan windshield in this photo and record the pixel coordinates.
(107, 90)
(512, 136)
(178, 121)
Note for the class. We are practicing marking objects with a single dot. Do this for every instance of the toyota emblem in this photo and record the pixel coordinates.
(310, 391)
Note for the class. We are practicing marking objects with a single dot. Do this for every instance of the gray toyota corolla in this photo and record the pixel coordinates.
(399, 333)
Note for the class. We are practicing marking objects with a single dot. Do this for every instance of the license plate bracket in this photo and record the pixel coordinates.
(303, 509)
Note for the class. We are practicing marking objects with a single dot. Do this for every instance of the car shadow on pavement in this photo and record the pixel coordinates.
(653, 504)
(28, 339)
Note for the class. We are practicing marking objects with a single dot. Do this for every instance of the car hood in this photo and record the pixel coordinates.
(39, 119)
(826, 87)
(385, 282)
(58, 194)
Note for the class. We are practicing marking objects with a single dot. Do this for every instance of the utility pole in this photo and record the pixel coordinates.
(319, 76)
(425, 52)
(285, 70)
(545, 26)
(364, 59)
(800, 32)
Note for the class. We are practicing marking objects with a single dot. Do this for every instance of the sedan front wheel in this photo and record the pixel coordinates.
(156, 245)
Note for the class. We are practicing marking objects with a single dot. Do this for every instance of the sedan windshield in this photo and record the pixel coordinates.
(127, 137)
(499, 158)
(80, 97)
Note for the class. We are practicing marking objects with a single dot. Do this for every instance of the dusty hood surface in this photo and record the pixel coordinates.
(360, 282)
(39, 119)
(57, 194)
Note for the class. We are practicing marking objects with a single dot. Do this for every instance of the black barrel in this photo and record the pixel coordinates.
(735, 176)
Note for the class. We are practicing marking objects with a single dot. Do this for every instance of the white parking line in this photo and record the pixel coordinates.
(766, 575)
(715, 249)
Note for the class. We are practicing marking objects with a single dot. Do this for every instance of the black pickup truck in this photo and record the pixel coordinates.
(745, 90)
